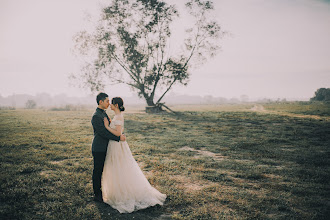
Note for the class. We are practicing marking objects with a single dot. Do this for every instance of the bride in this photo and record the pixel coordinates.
(124, 186)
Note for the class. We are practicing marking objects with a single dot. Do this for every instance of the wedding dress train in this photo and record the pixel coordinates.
(124, 186)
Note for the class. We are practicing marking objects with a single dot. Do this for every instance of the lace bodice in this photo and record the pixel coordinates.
(117, 120)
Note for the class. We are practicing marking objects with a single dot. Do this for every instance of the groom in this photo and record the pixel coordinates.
(100, 142)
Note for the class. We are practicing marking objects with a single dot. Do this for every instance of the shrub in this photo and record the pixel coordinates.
(322, 94)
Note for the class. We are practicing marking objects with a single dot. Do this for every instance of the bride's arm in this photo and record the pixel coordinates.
(116, 131)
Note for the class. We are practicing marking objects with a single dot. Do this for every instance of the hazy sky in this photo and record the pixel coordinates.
(278, 49)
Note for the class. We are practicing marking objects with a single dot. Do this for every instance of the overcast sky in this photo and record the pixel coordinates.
(278, 49)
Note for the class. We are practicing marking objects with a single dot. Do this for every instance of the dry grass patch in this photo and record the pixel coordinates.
(204, 153)
(190, 184)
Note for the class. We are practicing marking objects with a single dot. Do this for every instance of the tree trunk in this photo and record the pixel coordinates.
(150, 102)
(152, 108)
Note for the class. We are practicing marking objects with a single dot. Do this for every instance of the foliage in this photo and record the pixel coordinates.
(131, 45)
(322, 94)
(30, 104)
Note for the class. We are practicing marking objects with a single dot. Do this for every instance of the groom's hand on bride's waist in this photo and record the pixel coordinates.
(122, 137)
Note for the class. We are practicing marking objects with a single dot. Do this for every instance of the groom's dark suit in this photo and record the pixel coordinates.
(99, 147)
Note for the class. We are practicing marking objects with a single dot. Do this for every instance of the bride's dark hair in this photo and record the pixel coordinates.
(119, 101)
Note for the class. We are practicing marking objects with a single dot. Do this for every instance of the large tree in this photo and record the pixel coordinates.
(131, 44)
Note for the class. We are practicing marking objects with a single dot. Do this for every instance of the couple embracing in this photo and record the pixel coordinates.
(117, 178)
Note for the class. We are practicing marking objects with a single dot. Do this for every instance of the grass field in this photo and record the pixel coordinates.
(214, 162)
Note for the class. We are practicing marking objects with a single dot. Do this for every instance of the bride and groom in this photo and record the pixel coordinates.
(117, 178)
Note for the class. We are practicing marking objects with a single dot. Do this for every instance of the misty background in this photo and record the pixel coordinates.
(277, 50)
(63, 100)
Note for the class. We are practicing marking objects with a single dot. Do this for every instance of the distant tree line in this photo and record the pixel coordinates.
(322, 94)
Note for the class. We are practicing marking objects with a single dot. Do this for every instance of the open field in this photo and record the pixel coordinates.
(248, 161)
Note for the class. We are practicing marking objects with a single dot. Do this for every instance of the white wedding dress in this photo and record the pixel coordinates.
(124, 186)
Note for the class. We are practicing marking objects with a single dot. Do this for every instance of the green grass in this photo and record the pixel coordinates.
(270, 164)
(305, 108)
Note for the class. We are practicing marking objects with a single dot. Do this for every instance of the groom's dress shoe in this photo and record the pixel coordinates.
(98, 198)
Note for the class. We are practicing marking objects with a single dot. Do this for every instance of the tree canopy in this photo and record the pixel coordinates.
(131, 44)
(322, 94)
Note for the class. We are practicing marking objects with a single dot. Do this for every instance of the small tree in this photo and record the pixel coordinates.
(131, 43)
(30, 104)
(322, 94)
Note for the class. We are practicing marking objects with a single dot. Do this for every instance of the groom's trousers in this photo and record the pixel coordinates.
(99, 158)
